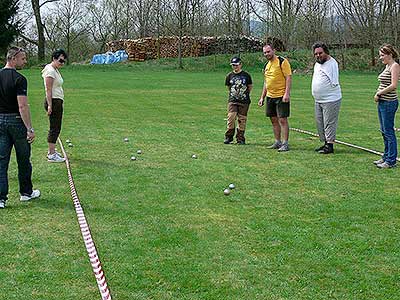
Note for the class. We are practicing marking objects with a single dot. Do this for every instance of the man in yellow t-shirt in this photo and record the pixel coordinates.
(277, 84)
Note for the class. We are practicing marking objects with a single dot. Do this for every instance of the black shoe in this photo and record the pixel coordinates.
(320, 148)
(241, 143)
(328, 149)
(228, 140)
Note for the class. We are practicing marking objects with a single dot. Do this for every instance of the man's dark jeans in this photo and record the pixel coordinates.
(13, 133)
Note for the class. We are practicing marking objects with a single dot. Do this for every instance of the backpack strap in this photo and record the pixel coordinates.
(281, 60)
(265, 66)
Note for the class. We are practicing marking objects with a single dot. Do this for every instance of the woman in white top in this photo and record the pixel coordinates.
(54, 101)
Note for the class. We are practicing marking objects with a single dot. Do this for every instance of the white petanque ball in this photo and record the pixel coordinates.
(126, 139)
(227, 192)
(231, 186)
(194, 156)
(133, 158)
(70, 145)
(139, 152)
(68, 141)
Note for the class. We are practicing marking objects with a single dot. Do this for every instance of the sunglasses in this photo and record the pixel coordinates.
(61, 61)
(18, 51)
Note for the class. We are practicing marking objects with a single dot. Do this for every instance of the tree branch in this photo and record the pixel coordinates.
(47, 1)
(28, 39)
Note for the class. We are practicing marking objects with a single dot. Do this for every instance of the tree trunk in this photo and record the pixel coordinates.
(68, 44)
(180, 62)
(238, 22)
(40, 28)
(372, 49)
(248, 19)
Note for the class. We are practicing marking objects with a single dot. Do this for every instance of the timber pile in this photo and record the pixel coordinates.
(163, 47)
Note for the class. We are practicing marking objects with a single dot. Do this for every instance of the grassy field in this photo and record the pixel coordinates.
(299, 225)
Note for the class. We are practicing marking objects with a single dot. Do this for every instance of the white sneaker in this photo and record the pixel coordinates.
(378, 162)
(55, 157)
(35, 194)
(385, 165)
(2, 204)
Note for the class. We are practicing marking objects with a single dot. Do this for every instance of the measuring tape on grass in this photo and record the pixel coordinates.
(86, 235)
(340, 142)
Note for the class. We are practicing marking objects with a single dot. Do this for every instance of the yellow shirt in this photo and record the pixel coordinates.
(275, 77)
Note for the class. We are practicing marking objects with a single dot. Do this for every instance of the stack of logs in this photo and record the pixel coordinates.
(163, 47)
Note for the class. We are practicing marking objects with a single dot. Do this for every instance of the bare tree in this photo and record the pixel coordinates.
(115, 9)
(365, 19)
(228, 15)
(235, 16)
(199, 17)
(281, 15)
(298, 23)
(99, 24)
(313, 22)
(142, 11)
(247, 18)
(70, 15)
(217, 20)
(178, 11)
(393, 21)
(41, 41)
(160, 19)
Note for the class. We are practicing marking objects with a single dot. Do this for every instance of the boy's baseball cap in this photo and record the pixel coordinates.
(236, 61)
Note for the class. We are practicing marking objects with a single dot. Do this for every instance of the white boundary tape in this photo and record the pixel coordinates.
(340, 142)
(86, 235)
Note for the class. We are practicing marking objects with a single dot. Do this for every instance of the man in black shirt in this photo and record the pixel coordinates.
(15, 126)
(239, 85)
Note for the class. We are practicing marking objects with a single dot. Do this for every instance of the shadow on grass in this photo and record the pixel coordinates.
(87, 163)
(45, 202)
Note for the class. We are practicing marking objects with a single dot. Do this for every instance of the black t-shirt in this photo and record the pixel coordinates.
(12, 84)
(238, 86)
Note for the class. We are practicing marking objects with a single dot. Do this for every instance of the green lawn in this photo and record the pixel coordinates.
(299, 225)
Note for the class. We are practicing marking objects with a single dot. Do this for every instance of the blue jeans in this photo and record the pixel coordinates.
(386, 112)
(13, 133)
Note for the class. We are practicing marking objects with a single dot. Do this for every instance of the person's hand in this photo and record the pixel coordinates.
(30, 136)
(286, 98)
(261, 102)
(49, 110)
(376, 97)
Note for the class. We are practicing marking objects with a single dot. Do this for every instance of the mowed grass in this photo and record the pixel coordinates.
(299, 225)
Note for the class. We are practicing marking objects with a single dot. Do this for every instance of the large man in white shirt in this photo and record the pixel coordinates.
(328, 96)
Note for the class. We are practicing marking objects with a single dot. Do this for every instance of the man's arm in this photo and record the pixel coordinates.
(333, 74)
(26, 117)
(288, 85)
(263, 94)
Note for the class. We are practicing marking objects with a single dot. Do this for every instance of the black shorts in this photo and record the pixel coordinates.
(277, 108)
